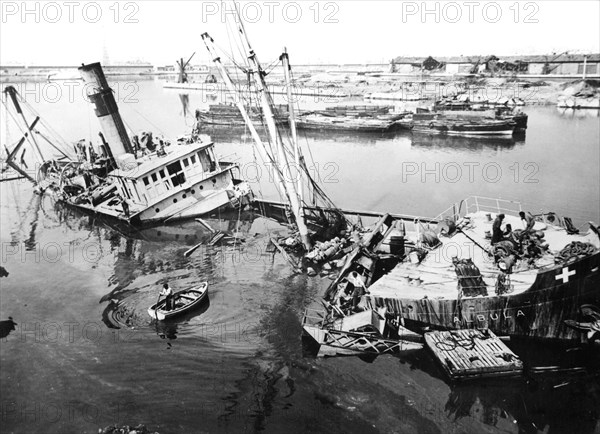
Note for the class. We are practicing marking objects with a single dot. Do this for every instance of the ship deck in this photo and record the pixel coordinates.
(435, 276)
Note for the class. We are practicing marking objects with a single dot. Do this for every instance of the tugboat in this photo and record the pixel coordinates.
(141, 180)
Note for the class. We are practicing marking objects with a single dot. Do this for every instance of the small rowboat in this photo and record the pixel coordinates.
(183, 300)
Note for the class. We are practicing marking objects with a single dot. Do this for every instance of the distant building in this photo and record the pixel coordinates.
(550, 64)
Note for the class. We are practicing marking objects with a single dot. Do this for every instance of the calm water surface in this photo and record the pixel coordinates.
(85, 354)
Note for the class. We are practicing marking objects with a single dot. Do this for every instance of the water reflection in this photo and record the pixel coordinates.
(532, 403)
(569, 113)
(185, 103)
(354, 137)
(467, 143)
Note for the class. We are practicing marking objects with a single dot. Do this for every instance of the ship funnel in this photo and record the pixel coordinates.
(101, 95)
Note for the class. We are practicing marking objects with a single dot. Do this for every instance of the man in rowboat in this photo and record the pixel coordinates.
(168, 293)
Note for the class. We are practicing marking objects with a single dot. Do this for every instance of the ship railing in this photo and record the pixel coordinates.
(474, 204)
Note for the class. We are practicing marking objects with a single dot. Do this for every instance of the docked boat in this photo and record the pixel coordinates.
(344, 123)
(465, 127)
(370, 119)
(143, 179)
(228, 115)
(452, 109)
(444, 274)
(183, 301)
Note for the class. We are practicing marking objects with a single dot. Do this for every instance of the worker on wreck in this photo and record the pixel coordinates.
(497, 234)
(124, 204)
(511, 236)
(529, 221)
(359, 288)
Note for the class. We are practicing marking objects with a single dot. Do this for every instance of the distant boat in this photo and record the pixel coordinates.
(466, 109)
(182, 300)
(344, 123)
(439, 123)
(373, 119)
(468, 128)
(229, 115)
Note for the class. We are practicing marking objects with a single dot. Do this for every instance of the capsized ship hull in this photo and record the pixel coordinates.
(448, 275)
(544, 311)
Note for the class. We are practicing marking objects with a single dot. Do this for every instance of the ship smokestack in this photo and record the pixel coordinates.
(107, 111)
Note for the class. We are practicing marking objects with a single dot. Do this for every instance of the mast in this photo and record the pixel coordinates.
(290, 186)
(12, 92)
(208, 42)
(285, 59)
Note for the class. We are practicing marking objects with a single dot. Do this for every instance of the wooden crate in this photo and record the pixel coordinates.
(472, 353)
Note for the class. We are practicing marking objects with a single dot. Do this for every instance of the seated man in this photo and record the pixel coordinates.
(529, 221)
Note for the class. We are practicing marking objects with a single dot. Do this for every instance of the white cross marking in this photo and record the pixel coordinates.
(565, 274)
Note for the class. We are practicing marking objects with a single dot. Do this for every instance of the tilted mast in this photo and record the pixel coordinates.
(289, 183)
(292, 117)
(12, 92)
(209, 42)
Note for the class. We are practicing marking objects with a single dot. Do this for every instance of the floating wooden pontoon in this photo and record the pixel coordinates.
(472, 353)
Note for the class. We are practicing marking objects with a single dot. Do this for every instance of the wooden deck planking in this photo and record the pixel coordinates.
(487, 350)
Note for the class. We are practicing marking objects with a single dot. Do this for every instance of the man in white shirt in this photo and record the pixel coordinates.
(168, 293)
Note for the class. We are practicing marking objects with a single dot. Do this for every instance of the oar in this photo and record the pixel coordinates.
(156, 308)
(192, 250)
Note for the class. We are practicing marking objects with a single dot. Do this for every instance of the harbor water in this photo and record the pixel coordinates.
(80, 351)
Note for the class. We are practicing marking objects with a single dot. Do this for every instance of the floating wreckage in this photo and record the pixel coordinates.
(139, 180)
(363, 332)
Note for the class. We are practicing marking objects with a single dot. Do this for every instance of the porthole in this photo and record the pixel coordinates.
(201, 187)
(174, 200)
(184, 196)
(193, 192)
(157, 210)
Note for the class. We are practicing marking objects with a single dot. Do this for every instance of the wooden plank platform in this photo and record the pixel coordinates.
(472, 353)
